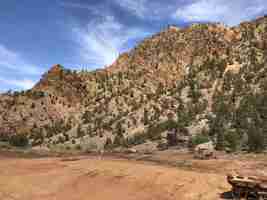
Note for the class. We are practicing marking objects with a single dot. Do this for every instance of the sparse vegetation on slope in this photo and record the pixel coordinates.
(204, 79)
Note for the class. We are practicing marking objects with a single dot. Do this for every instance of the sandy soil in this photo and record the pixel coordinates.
(166, 175)
(86, 178)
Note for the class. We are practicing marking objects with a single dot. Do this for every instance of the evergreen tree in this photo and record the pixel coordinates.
(232, 140)
(255, 139)
(19, 140)
(220, 140)
(108, 144)
(80, 132)
(146, 118)
(119, 129)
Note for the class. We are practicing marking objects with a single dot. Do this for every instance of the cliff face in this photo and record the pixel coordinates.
(203, 78)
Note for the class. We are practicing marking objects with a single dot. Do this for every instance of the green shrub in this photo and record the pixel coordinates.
(3, 137)
(108, 144)
(78, 147)
(199, 139)
(137, 139)
(68, 147)
(19, 140)
(154, 132)
(255, 140)
(61, 139)
(120, 141)
(232, 141)
(146, 117)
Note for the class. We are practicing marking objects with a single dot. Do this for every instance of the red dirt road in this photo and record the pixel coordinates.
(90, 178)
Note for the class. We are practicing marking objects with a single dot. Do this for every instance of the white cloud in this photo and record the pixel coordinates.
(103, 40)
(228, 12)
(16, 73)
(136, 7)
(75, 5)
(10, 60)
(91, 9)
(18, 84)
(147, 10)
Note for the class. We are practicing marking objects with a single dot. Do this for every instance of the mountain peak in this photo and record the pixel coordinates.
(56, 68)
(173, 27)
(53, 74)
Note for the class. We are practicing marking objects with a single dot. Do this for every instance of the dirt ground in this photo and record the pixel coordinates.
(113, 178)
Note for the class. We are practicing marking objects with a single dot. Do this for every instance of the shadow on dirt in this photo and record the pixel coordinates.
(227, 195)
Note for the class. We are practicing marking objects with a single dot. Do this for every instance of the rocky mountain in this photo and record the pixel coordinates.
(205, 79)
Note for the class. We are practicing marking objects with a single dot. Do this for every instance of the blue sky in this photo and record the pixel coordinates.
(89, 34)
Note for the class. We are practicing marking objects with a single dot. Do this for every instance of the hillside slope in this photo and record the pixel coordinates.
(203, 79)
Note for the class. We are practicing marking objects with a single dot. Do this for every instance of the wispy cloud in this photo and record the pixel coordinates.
(20, 84)
(16, 73)
(11, 60)
(147, 10)
(75, 5)
(228, 12)
(136, 7)
(104, 39)
(92, 9)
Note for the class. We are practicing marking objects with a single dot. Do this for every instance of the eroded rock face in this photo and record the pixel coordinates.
(203, 73)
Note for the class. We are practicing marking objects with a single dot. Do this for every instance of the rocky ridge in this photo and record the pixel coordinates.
(205, 79)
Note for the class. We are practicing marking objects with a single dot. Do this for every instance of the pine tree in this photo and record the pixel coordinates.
(255, 139)
(146, 119)
(108, 144)
(119, 129)
(220, 140)
(80, 132)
